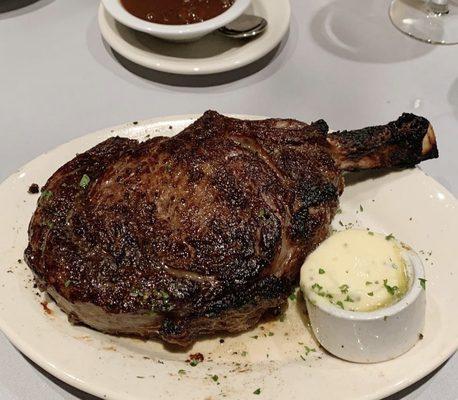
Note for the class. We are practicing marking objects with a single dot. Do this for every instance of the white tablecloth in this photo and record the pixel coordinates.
(343, 62)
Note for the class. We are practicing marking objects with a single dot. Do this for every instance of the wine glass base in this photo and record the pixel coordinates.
(418, 19)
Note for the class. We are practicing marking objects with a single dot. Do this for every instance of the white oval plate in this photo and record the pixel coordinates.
(408, 203)
(212, 54)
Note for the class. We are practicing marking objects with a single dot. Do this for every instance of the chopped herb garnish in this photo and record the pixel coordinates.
(370, 294)
(341, 223)
(262, 213)
(68, 283)
(244, 353)
(344, 288)
(340, 304)
(292, 296)
(257, 391)
(270, 333)
(215, 378)
(193, 363)
(135, 293)
(164, 295)
(420, 336)
(168, 166)
(317, 286)
(389, 237)
(385, 318)
(368, 283)
(282, 317)
(46, 194)
(49, 224)
(321, 271)
(349, 299)
(422, 283)
(361, 208)
(390, 289)
(309, 350)
(84, 182)
(181, 372)
(370, 233)
(254, 337)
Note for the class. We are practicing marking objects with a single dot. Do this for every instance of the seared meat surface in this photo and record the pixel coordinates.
(202, 232)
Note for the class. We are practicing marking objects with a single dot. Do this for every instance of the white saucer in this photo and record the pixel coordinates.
(212, 54)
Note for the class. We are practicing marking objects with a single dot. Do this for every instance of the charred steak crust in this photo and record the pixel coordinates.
(215, 219)
(189, 235)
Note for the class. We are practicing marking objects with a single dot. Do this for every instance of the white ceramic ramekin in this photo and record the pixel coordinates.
(381, 335)
(176, 33)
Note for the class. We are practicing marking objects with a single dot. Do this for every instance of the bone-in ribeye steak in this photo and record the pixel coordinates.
(202, 232)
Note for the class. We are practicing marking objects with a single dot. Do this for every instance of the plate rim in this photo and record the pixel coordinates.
(73, 381)
(117, 43)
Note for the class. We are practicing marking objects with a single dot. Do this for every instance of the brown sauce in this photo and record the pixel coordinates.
(176, 12)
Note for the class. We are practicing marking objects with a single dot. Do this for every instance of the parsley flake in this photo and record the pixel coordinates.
(257, 391)
(321, 271)
(370, 294)
(390, 289)
(422, 283)
(389, 237)
(262, 213)
(135, 293)
(84, 182)
(46, 194)
(344, 288)
(340, 304)
(317, 286)
(168, 166)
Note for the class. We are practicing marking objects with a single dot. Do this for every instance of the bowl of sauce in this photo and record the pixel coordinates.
(365, 295)
(176, 20)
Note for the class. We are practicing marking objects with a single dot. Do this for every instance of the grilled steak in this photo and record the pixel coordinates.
(202, 232)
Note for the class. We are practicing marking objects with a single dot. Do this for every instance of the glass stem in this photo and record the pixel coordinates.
(439, 6)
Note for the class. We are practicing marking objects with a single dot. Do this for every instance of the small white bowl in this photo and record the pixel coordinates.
(381, 335)
(175, 33)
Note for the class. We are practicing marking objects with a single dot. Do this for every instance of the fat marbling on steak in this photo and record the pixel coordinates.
(202, 232)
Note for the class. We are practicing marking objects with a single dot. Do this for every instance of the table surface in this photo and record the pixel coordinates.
(342, 61)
